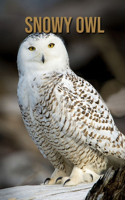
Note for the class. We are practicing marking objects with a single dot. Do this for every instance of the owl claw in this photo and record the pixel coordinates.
(66, 181)
(91, 176)
(47, 180)
(58, 179)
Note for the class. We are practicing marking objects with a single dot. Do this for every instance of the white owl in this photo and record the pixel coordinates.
(65, 116)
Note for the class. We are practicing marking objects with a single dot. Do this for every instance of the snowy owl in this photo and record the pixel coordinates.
(64, 114)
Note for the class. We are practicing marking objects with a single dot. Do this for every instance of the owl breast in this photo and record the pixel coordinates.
(37, 103)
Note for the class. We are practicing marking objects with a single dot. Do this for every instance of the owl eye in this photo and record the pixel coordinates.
(51, 45)
(32, 48)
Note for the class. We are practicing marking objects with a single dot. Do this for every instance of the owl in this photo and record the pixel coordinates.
(65, 116)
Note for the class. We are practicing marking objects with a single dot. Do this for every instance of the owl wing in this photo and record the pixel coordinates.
(83, 112)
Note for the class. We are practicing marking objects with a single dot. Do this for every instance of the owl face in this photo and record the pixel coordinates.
(42, 52)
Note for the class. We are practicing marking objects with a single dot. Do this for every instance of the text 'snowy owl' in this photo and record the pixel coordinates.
(63, 113)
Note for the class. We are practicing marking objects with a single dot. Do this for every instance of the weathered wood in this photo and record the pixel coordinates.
(51, 192)
(110, 187)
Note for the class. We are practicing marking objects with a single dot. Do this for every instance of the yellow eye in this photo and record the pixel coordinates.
(51, 45)
(32, 48)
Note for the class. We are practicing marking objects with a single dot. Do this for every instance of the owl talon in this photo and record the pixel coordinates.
(47, 180)
(91, 176)
(58, 179)
(66, 181)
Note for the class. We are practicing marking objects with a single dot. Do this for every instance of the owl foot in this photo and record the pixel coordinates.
(76, 177)
(79, 176)
(75, 181)
(55, 178)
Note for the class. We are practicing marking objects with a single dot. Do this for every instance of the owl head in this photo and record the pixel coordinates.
(42, 52)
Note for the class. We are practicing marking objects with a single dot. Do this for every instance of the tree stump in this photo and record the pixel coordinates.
(110, 187)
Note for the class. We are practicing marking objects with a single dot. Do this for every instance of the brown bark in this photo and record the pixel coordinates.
(110, 187)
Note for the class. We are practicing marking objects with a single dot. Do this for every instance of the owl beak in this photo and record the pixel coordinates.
(43, 59)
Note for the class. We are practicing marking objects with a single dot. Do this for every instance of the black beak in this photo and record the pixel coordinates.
(43, 59)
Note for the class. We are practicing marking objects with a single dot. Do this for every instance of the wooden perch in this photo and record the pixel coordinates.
(46, 192)
(110, 187)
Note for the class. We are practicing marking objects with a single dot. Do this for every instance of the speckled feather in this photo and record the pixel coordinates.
(68, 120)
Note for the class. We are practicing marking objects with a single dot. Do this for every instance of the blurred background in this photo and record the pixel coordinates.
(99, 58)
